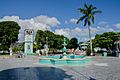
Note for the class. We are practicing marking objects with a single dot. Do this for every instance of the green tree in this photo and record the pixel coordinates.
(106, 40)
(88, 16)
(73, 43)
(54, 41)
(40, 38)
(9, 31)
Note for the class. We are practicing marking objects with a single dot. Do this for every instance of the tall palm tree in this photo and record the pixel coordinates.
(88, 16)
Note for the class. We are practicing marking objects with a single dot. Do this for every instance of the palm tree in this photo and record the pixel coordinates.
(88, 16)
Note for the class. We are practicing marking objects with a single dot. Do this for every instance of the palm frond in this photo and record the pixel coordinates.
(85, 22)
(78, 21)
(94, 8)
(86, 6)
(81, 10)
(81, 18)
(94, 12)
(88, 11)
(90, 7)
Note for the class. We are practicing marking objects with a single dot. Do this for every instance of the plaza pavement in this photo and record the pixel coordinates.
(100, 68)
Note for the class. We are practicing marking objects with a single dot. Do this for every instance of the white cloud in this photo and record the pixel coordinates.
(64, 32)
(94, 30)
(73, 20)
(118, 25)
(77, 29)
(52, 21)
(36, 23)
(81, 34)
(102, 23)
(102, 29)
(10, 18)
(111, 30)
(105, 27)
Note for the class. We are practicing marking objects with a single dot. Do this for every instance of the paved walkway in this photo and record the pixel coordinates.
(28, 68)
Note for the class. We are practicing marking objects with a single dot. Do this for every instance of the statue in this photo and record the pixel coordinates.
(45, 50)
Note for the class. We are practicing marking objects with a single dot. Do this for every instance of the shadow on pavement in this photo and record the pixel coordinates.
(91, 78)
(34, 73)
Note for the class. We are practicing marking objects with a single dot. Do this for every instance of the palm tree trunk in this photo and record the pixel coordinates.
(90, 40)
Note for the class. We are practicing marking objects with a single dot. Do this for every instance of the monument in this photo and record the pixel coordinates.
(28, 47)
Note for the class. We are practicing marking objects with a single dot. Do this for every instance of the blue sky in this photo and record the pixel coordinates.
(65, 13)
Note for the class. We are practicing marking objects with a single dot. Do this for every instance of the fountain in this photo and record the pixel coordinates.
(64, 49)
(64, 59)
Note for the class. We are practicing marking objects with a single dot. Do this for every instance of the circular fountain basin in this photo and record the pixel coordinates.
(70, 60)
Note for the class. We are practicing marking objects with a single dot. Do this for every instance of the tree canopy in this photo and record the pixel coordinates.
(88, 14)
(73, 43)
(53, 40)
(106, 40)
(9, 31)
